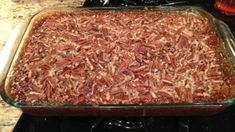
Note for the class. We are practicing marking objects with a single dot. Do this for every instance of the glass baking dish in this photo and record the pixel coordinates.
(19, 35)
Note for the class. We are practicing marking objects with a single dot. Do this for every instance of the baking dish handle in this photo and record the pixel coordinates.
(9, 50)
(228, 37)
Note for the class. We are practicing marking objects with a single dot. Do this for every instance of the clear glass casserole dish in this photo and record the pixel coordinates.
(19, 36)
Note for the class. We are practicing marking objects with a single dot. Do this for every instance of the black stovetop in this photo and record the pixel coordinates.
(223, 121)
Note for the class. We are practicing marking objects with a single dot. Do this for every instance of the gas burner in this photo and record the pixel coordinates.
(134, 2)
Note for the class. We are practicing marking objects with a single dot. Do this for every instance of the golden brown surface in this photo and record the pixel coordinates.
(133, 57)
(11, 12)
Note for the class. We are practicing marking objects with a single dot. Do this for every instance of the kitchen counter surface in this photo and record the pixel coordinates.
(11, 13)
